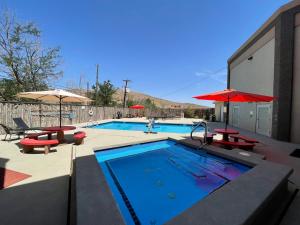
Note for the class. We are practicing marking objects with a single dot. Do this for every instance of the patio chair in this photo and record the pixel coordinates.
(11, 131)
(22, 125)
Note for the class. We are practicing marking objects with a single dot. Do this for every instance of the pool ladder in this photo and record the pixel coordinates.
(195, 127)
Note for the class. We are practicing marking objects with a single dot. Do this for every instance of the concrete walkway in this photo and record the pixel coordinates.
(41, 198)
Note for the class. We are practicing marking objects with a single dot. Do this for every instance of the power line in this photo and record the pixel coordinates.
(179, 89)
(216, 71)
(193, 83)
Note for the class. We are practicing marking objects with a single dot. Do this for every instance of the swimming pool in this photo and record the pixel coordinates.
(154, 182)
(158, 127)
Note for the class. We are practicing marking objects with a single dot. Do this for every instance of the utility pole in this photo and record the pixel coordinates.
(81, 81)
(125, 92)
(97, 83)
(87, 89)
(97, 76)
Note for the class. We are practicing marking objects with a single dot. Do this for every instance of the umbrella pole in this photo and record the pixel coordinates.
(227, 114)
(60, 111)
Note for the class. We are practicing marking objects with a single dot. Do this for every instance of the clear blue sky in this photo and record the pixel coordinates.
(172, 49)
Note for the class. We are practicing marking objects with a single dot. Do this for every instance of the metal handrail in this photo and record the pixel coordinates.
(197, 125)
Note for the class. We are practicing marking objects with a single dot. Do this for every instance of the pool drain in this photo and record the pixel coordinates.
(152, 222)
(124, 197)
(171, 195)
(296, 153)
(159, 183)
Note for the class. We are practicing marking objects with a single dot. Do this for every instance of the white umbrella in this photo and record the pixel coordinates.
(54, 96)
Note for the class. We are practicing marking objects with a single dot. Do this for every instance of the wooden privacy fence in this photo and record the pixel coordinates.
(44, 114)
(164, 113)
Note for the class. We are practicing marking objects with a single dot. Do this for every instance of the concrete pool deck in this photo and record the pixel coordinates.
(273, 150)
(278, 152)
(43, 198)
(93, 194)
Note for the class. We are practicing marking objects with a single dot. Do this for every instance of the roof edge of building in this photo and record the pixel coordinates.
(272, 18)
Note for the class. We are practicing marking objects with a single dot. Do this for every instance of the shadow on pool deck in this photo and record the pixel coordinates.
(45, 202)
(37, 202)
(3, 162)
(276, 151)
(273, 150)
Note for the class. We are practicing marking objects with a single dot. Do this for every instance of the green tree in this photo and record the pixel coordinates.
(103, 95)
(8, 89)
(189, 113)
(131, 102)
(148, 103)
(22, 58)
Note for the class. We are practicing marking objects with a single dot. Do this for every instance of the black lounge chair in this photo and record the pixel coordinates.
(12, 131)
(22, 125)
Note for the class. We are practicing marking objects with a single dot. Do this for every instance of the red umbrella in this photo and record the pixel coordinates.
(137, 107)
(232, 95)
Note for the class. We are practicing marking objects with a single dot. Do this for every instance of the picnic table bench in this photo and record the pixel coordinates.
(79, 137)
(236, 138)
(30, 144)
(209, 137)
(241, 145)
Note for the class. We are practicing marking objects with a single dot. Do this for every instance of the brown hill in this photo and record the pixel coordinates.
(161, 103)
(137, 96)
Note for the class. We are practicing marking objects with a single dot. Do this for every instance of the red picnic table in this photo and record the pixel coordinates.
(226, 133)
(60, 131)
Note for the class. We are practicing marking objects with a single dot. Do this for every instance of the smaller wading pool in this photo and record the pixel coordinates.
(154, 182)
(158, 127)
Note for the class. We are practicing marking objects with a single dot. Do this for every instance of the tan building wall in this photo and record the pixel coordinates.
(254, 76)
(219, 111)
(247, 116)
(295, 128)
(274, 70)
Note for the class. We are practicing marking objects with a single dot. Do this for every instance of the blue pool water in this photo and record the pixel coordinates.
(158, 127)
(154, 182)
